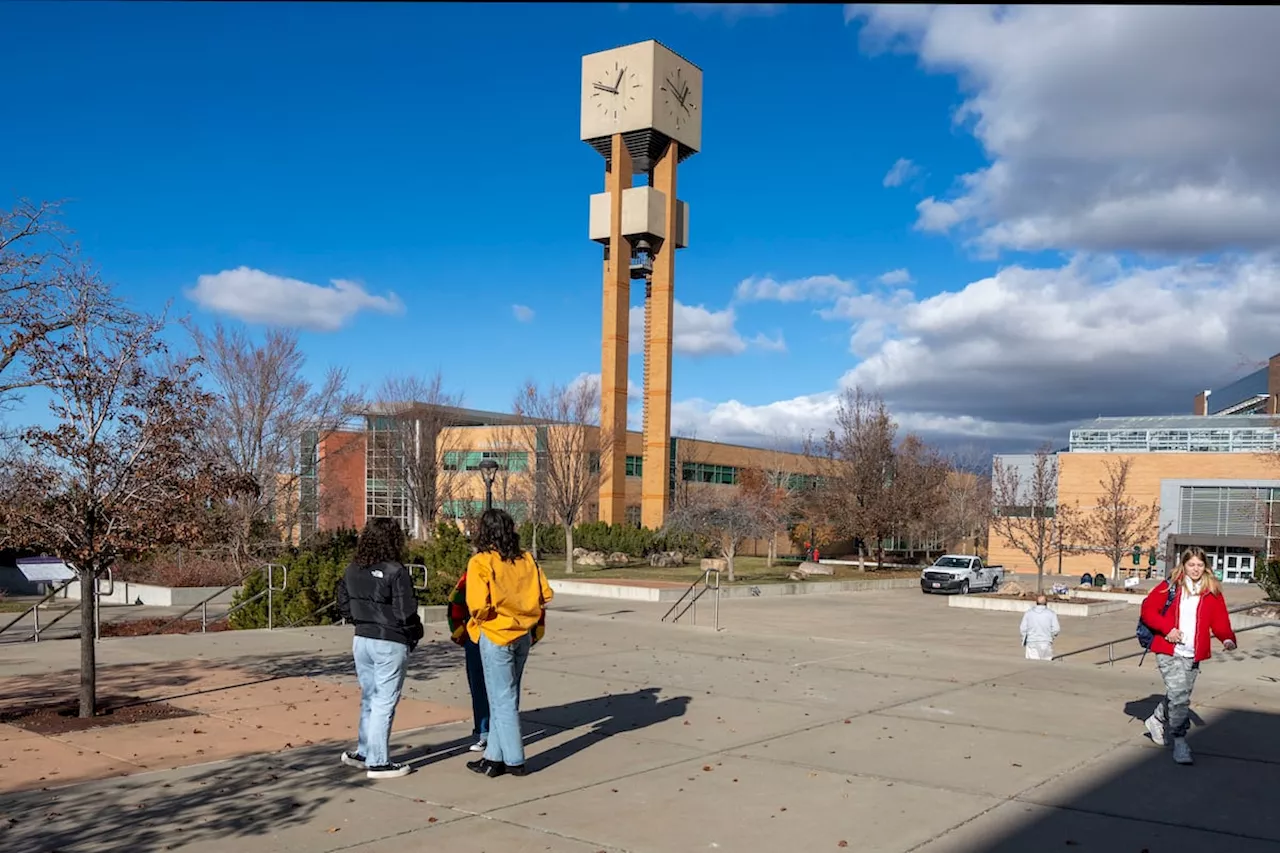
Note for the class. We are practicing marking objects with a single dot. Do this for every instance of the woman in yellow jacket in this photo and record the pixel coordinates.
(506, 594)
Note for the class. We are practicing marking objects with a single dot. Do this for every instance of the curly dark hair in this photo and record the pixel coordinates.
(497, 533)
(381, 541)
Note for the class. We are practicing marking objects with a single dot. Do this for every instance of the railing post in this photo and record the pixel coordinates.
(270, 588)
(717, 604)
(36, 613)
(204, 616)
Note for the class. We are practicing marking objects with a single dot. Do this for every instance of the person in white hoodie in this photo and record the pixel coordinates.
(1039, 629)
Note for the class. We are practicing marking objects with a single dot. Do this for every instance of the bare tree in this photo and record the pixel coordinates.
(1115, 525)
(44, 288)
(118, 474)
(256, 422)
(1025, 511)
(420, 412)
(561, 434)
(857, 489)
(729, 519)
(688, 453)
(918, 489)
(966, 509)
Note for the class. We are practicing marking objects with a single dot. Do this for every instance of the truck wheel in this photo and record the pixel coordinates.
(995, 584)
(964, 587)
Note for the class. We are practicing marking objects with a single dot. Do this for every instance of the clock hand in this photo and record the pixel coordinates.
(618, 82)
(604, 88)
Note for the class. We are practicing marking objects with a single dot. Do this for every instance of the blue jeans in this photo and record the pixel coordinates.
(503, 667)
(380, 670)
(479, 696)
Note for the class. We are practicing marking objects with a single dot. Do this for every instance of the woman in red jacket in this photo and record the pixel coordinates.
(1182, 627)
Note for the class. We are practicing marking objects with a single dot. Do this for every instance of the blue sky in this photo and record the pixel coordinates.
(431, 151)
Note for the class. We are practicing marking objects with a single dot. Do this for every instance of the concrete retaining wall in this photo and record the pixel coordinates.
(156, 596)
(764, 590)
(1127, 598)
(1013, 605)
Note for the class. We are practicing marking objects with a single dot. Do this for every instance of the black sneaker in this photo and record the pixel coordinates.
(485, 767)
(388, 771)
(353, 759)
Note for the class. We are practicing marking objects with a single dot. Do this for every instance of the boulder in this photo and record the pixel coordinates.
(807, 568)
(592, 558)
(579, 553)
(717, 563)
(617, 558)
(666, 559)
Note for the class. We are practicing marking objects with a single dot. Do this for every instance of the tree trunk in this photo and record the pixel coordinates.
(568, 548)
(533, 544)
(1039, 577)
(728, 559)
(862, 557)
(773, 550)
(88, 648)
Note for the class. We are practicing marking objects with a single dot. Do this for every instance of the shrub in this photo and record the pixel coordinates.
(1269, 579)
(550, 538)
(445, 555)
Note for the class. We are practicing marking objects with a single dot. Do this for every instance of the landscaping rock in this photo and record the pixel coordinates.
(807, 569)
(617, 558)
(718, 563)
(591, 558)
(666, 559)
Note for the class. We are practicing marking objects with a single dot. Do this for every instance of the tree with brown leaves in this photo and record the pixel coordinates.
(255, 425)
(560, 433)
(1114, 525)
(119, 473)
(421, 411)
(857, 493)
(1025, 510)
(43, 288)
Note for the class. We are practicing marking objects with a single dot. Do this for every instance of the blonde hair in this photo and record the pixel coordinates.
(1209, 584)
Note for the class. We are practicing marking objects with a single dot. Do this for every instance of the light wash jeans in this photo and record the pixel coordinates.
(380, 669)
(503, 667)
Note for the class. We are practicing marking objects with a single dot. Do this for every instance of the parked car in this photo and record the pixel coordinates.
(960, 573)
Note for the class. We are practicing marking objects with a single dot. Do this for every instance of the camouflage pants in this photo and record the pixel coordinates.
(1179, 676)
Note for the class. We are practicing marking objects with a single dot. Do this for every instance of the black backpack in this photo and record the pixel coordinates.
(1144, 633)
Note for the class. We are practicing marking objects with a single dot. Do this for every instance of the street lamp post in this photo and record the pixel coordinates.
(488, 470)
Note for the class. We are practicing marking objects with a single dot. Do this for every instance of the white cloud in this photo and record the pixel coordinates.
(634, 391)
(898, 276)
(815, 287)
(901, 172)
(731, 11)
(774, 344)
(698, 331)
(260, 297)
(1108, 128)
(523, 313)
(1021, 356)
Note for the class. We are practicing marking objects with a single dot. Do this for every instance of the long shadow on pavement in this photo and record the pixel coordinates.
(606, 715)
(1138, 800)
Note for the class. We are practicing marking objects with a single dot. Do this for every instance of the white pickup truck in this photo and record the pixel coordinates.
(960, 573)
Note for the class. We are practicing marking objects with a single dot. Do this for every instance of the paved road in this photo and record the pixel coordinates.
(886, 721)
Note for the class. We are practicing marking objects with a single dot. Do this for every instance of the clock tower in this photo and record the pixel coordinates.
(642, 111)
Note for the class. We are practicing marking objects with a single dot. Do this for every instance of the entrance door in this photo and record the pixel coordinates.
(1238, 568)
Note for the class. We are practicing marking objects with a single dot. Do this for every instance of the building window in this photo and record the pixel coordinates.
(518, 510)
(469, 460)
(1026, 511)
(632, 516)
(635, 466)
(699, 472)
(1229, 511)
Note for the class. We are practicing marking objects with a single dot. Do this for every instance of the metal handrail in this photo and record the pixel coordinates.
(35, 609)
(314, 613)
(1273, 623)
(1110, 645)
(203, 604)
(426, 574)
(705, 582)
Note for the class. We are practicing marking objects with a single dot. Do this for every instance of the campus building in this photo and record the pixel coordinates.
(360, 472)
(1215, 475)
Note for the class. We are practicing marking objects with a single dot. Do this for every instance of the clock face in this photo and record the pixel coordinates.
(678, 97)
(615, 91)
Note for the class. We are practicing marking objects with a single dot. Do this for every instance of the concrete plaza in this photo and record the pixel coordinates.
(874, 721)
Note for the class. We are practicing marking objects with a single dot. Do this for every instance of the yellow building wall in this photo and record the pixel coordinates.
(1080, 477)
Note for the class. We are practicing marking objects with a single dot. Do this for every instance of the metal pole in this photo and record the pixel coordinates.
(204, 615)
(36, 614)
(97, 611)
(717, 611)
(270, 587)
(488, 494)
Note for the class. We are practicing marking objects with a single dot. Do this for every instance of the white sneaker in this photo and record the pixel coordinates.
(1156, 728)
(1182, 752)
(479, 746)
(388, 771)
(353, 759)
